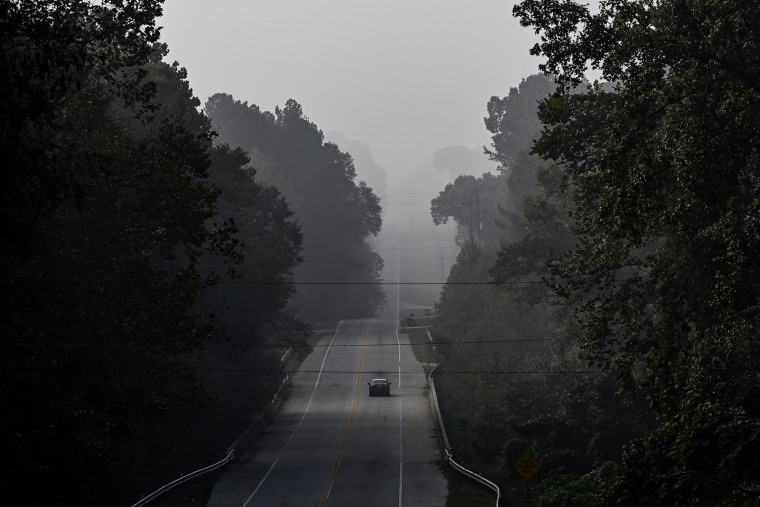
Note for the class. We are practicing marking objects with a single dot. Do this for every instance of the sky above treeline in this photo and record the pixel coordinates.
(404, 77)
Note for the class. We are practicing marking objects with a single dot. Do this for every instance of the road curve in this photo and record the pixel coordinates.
(333, 445)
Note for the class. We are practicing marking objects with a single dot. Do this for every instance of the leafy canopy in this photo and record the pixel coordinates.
(336, 213)
(665, 175)
(109, 221)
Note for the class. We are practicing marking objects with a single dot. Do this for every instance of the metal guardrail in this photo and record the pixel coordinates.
(163, 489)
(472, 475)
(276, 401)
(447, 450)
(241, 441)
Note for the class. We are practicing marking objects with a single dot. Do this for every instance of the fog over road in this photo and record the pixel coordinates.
(333, 445)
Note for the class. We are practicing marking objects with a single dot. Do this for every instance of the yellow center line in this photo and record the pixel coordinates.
(339, 456)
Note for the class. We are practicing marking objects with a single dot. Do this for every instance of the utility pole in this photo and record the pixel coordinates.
(440, 256)
(480, 227)
(470, 203)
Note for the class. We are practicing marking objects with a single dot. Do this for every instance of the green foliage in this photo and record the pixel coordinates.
(515, 126)
(660, 469)
(548, 222)
(111, 233)
(335, 213)
(473, 204)
(101, 303)
(664, 277)
(519, 374)
(270, 240)
(51, 49)
(491, 207)
(466, 311)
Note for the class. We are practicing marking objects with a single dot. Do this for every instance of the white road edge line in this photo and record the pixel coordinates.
(400, 399)
(311, 397)
(401, 445)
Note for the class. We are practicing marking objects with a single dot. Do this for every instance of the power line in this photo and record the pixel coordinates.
(474, 342)
(263, 282)
(262, 346)
(386, 203)
(243, 282)
(354, 372)
(425, 213)
(432, 192)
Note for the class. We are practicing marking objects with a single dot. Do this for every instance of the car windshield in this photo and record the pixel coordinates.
(379, 381)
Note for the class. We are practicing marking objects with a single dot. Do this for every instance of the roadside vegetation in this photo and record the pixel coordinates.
(603, 311)
(147, 264)
(605, 318)
(423, 349)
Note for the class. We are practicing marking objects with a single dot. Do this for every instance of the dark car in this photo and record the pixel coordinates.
(379, 387)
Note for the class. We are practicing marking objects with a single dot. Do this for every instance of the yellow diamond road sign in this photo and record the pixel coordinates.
(527, 466)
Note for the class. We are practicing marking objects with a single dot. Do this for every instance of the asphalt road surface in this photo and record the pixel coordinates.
(333, 445)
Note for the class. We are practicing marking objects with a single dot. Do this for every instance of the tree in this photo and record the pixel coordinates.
(336, 214)
(514, 123)
(239, 368)
(664, 278)
(108, 211)
(473, 203)
(50, 49)
(548, 231)
(97, 314)
(497, 200)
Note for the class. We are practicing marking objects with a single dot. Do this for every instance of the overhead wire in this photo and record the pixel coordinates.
(243, 282)
(354, 372)
(273, 346)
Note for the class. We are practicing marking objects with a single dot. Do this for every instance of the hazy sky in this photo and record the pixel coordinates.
(404, 77)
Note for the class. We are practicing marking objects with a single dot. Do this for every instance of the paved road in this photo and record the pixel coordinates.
(333, 445)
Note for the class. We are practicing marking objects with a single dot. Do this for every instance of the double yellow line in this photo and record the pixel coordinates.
(339, 456)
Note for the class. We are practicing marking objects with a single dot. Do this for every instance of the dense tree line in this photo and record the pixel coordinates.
(637, 262)
(132, 255)
(489, 208)
(664, 278)
(337, 214)
(512, 365)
